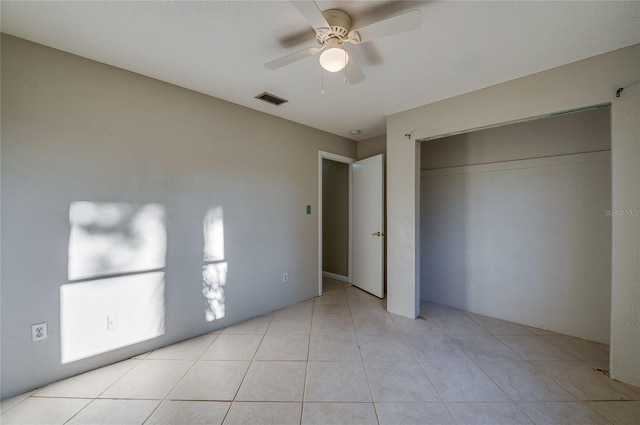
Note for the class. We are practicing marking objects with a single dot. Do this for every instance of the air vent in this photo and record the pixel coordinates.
(268, 97)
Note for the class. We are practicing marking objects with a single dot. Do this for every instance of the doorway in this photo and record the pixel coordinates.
(361, 189)
(334, 221)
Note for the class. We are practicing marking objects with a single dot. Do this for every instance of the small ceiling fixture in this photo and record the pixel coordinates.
(355, 132)
(335, 57)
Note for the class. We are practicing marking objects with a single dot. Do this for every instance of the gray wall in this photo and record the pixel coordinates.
(525, 236)
(77, 130)
(335, 217)
(370, 147)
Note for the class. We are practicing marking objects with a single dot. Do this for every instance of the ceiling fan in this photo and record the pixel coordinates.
(333, 31)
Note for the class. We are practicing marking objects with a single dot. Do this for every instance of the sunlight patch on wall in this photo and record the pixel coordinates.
(214, 271)
(214, 235)
(110, 238)
(115, 291)
(104, 314)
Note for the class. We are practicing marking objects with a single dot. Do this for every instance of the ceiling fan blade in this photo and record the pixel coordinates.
(352, 72)
(311, 12)
(395, 25)
(293, 57)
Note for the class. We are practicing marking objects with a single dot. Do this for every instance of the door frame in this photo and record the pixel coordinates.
(346, 160)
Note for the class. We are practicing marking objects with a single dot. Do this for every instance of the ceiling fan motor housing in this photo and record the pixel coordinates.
(340, 24)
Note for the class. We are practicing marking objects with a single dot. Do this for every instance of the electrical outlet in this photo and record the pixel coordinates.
(285, 277)
(39, 332)
(112, 322)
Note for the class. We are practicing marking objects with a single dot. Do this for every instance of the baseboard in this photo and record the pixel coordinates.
(335, 276)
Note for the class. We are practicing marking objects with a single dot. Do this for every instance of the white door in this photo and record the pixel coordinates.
(368, 225)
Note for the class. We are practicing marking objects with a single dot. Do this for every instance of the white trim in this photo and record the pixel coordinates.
(350, 262)
(338, 158)
(551, 161)
(516, 121)
(336, 276)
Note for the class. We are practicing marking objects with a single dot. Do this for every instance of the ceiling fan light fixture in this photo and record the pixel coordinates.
(334, 59)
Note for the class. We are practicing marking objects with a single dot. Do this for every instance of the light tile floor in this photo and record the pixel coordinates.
(330, 285)
(342, 359)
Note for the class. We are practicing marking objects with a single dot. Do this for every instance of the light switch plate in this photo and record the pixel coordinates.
(112, 322)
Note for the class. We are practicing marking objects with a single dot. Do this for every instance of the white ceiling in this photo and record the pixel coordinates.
(219, 48)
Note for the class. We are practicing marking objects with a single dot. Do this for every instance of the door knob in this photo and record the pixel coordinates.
(377, 234)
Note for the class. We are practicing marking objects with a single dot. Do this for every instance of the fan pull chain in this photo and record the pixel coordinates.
(345, 67)
(322, 73)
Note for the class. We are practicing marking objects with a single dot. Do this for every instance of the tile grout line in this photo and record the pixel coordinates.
(366, 375)
(120, 377)
(586, 404)
(232, 401)
(183, 376)
(496, 337)
(515, 402)
(97, 397)
(446, 404)
(306, 369)
(551, 377)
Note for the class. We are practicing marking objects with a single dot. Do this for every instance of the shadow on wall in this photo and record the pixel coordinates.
(115, 291)
(214, 271)
(445, 218)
